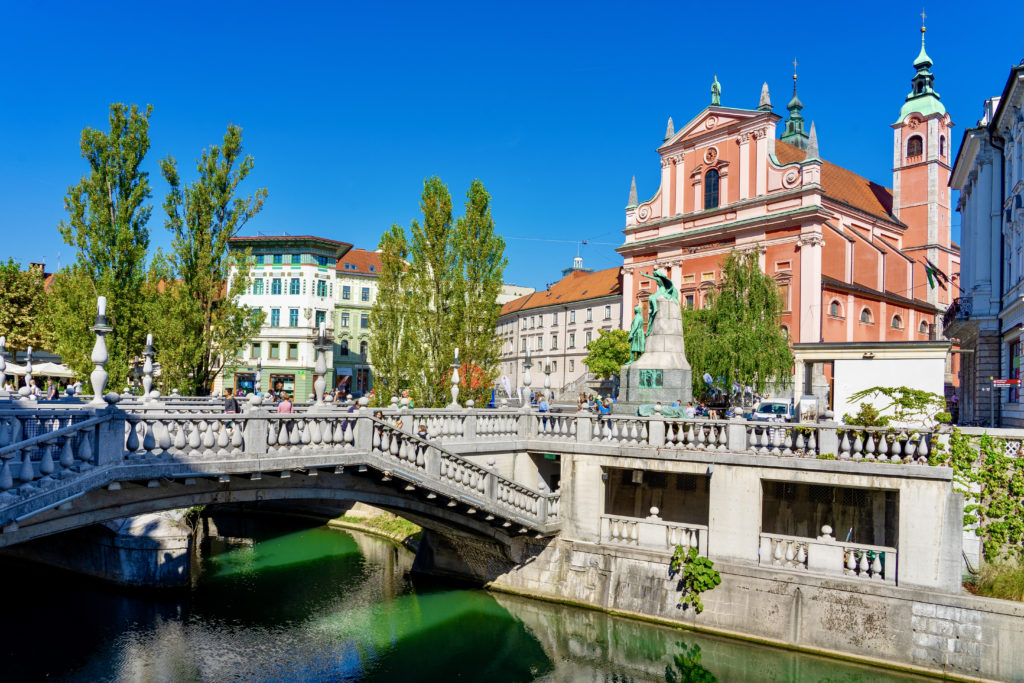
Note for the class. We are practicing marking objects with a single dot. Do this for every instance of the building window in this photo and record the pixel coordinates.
(835, 309)
(257, 287)
(296, 259)
(364, 321)
(708, 276)
(346, 292)
(344, 319)
(363, 348)
(343, 349)
(275, 317)
(554, 319)
(277, 259)
(275, 286)
(364, 295)
(897, 324)
(590, 314)
(294, 286)
(254, 351)
(259, 259)
(589, 333)
(293, 352)
(293, 317)
(554, 366)
(923, 327)
(688, 300)
(321, 317)
(321, 260)
(942, 145)
(540, 342)
(915, 146)
(689, 279)
(275, 351)
(783, 265)
(554, 341)
(321, 287)
(572, 340)
(784, 296)
(524, 323)
(572, 365)
(572, 317)
(711, 189)
(865, 316)
(785, 330)
(607, 312)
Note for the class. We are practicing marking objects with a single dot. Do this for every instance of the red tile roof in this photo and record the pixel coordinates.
(365, 262)
(844, 185)
(576, 286)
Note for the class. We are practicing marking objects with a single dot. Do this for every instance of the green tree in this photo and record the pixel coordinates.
(70, 309)
(608, 353)
(904, 404)
(737, 338)
(22, 305)
(481, 262)
(107, 218)
(203, 325)
(393, 336)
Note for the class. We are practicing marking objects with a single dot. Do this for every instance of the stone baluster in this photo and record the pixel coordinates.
(26, 391)
(3, 368)
(858, 447)
(320, 367)
(147, 369)
(844, 445)
(99, 375)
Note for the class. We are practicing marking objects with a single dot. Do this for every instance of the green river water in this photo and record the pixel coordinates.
(283, 599)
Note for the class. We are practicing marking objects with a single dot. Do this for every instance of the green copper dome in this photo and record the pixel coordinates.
(922, 99)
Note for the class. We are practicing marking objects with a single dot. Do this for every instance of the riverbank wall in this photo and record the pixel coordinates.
(957, 635)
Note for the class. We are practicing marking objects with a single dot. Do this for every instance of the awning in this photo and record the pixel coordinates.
(52, 370)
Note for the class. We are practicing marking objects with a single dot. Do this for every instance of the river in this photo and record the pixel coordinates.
(285, 599)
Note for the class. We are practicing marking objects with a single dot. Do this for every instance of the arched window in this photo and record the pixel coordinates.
(865, 315)
(362, 349)
(942, 145)
(785, 331)
(835, 309)
(897, 323)
(711, 189)
(923, 328)
(915, 146)
(344, 347)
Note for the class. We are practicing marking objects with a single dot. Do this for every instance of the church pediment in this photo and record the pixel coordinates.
(713, 120)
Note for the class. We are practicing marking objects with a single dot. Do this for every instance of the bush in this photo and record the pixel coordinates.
(1003, 581)
(868, 416)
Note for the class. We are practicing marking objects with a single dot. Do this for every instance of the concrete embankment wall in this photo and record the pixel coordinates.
(955, 634)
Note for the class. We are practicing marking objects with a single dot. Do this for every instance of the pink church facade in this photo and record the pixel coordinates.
(849, 256)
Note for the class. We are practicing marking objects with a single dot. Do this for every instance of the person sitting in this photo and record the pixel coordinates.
(230, 402)
(690, 410)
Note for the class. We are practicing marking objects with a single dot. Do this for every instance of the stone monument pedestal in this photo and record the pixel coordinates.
(662, 373)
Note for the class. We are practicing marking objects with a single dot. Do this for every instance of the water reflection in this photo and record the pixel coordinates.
(297, 602)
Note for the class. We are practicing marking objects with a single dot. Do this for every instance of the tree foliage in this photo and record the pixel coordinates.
(437, 292)
(906, 405)
(107, 218)
(201, 277)
(737, 337)
(22, 303)
(70, 310)
(608, 353)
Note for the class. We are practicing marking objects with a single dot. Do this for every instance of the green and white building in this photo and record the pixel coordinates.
(294, 282)
(354, 293)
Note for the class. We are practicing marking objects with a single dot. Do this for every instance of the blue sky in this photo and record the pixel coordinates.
(347, 107)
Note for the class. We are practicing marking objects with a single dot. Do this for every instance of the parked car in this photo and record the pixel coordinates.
(772, 411)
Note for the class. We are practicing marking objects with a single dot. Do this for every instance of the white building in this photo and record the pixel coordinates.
(557, 324)
(988, 318)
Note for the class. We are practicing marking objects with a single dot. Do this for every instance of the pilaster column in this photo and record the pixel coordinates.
(744, 167)
(680, 183)
(666, 186)
(761, 188)
(810, 244)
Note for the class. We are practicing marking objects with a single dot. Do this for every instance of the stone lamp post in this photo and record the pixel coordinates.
(322, 345)
(455, 382)
(147, 369)
(547, 380)
(527, 378)
(255, 399)
(99, 375)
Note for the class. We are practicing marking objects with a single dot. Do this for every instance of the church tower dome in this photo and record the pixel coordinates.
(794, 132)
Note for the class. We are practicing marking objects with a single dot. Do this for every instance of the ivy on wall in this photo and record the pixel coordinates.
(993, 482)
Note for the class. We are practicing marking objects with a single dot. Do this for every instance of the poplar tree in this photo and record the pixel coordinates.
(203, 325)
(738, 337)
(22, 303)
(107, 218)
(481, 263)
(393, 337)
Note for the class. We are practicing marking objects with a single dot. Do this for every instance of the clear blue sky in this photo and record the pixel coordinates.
(347, 107)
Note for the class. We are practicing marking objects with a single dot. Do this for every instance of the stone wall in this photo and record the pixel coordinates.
(901, 627)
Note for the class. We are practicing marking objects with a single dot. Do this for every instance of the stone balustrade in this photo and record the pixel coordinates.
(826, 555)
(653, 533)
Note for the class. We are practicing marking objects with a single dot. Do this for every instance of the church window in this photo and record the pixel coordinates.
(897, 323)
(835, 309)
(785, 331)
(865, 316)
(923, 328)
(915, 146)
(711, 189)
(942, 145)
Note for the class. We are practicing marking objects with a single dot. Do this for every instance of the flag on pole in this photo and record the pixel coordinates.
(935, 275)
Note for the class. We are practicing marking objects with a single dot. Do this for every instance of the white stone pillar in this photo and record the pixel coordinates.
(680, 183)
(666, 187)
(762, 163)
(744, 167)
(627, 300)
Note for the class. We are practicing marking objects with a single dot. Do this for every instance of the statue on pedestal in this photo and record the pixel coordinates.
(637, 336)
(666, 290)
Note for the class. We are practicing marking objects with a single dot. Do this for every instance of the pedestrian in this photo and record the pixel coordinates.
(285, 405)
(51, 394)
(230, 402)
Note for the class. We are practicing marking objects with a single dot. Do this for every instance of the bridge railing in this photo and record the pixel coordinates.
(39, 460)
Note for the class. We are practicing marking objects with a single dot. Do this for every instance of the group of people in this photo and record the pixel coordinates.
(54, 389)
(602, 405)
